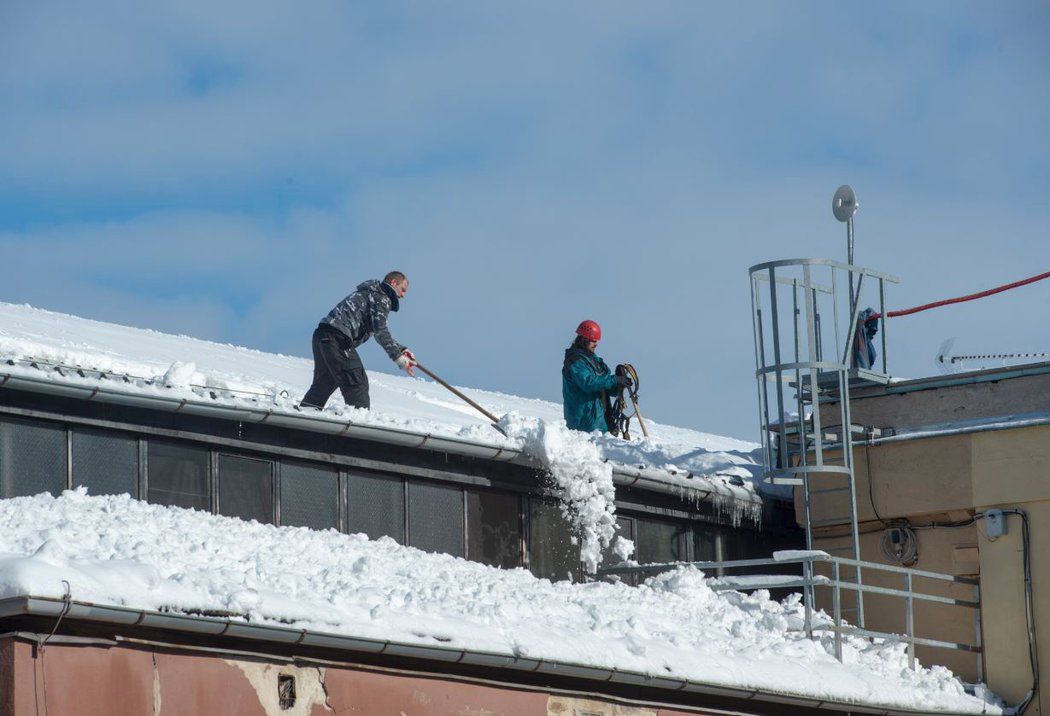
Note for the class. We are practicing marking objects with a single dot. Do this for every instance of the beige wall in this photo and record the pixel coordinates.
(932, 621)
(1011, 468)
(953, 404)
(944, 479)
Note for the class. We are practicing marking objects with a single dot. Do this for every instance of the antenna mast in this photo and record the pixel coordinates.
(843, 206)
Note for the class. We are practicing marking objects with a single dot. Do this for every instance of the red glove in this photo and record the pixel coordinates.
(407, 361)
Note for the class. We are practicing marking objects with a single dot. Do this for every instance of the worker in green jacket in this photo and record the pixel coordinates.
(586, 382)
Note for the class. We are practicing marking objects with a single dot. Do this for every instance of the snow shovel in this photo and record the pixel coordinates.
(465, 399)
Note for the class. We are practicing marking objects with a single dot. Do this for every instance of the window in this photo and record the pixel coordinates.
(32, 457)
(659, 542)
(376, 506)
(494, 528)
(105, 463)
(626, 531)
(705, 544)
(246, 488)
(178, 475)
(435, 518)
(309, 496)
(551, 551)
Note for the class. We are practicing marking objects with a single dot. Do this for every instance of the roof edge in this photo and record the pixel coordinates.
(28, 605)
(315, 420)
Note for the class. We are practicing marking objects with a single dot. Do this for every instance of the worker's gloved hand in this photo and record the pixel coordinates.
(407, 361)
(624, 381)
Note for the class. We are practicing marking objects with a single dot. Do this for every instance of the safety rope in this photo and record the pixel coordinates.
(620, 420)
(960, 299)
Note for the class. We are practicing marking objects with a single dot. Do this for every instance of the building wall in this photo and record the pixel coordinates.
(1011, 468)
(139, 680)
(951, 403)
(946, 479)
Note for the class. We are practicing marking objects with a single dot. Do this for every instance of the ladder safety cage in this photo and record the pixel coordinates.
(806, 318)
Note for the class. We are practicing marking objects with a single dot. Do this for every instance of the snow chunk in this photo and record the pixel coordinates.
(784, 555)
(179, 375)
(581, 479)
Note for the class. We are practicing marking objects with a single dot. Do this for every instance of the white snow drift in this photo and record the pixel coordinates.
(115, 550)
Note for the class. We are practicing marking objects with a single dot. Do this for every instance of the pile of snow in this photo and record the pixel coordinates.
(186, 367)
(580, 478)
(115, 550)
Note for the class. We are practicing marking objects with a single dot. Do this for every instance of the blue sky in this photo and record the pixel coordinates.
(230, 170)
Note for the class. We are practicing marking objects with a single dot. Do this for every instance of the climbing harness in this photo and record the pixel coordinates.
(619, 419)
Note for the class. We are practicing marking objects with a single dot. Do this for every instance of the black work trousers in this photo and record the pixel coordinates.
(336, 365)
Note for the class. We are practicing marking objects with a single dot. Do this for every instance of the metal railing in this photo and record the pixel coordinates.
(810, 580)
(802, 360)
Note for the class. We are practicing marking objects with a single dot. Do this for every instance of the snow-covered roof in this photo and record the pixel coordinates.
(42, 350)
(290, 584)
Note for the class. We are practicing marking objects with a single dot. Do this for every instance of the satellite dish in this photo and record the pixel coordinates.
(844, 203)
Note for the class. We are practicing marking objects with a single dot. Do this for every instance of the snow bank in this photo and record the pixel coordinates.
(115, 550)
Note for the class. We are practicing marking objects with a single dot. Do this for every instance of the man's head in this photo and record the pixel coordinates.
(588, 334)
(398, 281)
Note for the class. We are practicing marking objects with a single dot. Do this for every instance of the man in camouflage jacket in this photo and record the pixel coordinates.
(353, 321)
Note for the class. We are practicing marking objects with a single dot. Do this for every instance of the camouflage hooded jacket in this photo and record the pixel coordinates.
(364, 313)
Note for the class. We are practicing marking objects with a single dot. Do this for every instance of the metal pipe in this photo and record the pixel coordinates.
(882, 321)
(919, 434)
(909, 621)
(807, 575)
(459, 394)
(823, 262)
(836, 600)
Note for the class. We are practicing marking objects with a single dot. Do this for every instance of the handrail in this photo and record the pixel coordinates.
(809, 580)
(823, 262)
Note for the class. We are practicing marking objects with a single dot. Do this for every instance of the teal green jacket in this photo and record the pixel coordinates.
(583, 378)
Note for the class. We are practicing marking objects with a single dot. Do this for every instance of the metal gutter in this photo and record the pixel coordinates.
(656, 481)
(318, 421)
(28, 605)
(1006, 422)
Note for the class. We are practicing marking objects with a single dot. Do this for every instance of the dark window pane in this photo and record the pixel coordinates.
(658, 542)
(177, 475)
(309, 496)
(435, 518)
(105, 463)
(551, 551)
(376, 506)
(32, 457)
(742, 544)
(705, 544)
(494, 528)
(246, 488)
(609, 557)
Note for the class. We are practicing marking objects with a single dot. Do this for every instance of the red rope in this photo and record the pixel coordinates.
(960, 299)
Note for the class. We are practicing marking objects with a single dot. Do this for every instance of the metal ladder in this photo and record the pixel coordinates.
(804, 441)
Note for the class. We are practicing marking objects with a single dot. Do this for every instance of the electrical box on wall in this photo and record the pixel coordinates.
(995, 524)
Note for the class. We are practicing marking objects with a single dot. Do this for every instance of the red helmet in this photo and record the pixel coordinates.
(589, 330)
